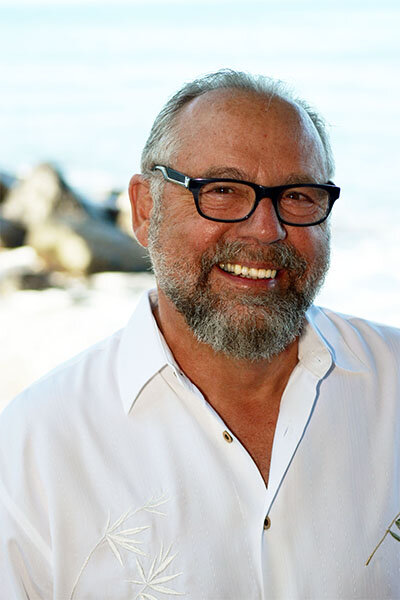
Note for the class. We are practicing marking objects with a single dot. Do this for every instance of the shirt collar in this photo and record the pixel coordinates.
(323, 335)
(143, 352)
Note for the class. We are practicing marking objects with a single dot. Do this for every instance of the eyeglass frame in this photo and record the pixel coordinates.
(194, 185)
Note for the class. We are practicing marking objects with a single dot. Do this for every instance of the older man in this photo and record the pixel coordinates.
(233, 441)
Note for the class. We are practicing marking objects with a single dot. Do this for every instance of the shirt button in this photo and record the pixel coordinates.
(227, 437)
(267, 522)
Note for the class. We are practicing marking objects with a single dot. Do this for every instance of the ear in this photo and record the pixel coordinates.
(141, 205)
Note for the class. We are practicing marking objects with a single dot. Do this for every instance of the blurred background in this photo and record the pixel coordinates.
(80, 84)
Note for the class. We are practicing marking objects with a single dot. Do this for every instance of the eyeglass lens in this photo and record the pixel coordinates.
(223, 200)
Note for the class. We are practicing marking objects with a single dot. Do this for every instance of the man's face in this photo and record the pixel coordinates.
(225, 134)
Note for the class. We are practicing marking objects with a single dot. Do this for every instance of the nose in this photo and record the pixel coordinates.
(263, 225)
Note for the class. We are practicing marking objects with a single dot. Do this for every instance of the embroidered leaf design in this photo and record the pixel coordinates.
(155, 512)
(150, 575)
(152, 505)
(166, 560)
(133, 531)
(396, 537)
(123, 539)
(165, 579)
(395, 521)
(114, 550)
(132, 548)
(165, 590)
(117, 538)
(147, 596)
(153, 580)
(119, 521)
(141, 571)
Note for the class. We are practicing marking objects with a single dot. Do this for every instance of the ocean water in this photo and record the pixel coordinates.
(81, 82)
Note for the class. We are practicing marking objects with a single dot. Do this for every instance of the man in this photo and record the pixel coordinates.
(233, 441)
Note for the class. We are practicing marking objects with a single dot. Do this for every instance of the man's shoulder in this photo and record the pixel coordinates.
(352, 322)
(53, 415)
(365, 338)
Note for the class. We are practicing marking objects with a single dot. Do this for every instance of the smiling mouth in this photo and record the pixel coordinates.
(248, 272)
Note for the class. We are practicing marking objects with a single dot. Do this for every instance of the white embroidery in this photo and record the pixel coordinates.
(115, 537)
(154, 579)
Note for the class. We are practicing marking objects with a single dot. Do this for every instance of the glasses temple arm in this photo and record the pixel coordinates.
(173, 176)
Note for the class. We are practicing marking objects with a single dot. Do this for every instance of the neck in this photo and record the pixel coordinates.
(230, 385)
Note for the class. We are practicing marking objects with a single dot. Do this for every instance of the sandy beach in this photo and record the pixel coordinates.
(40, 329)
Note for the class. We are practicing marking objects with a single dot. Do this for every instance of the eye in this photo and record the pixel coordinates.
(304, 201)
(219, 189)
(297, 196)
(226, 199)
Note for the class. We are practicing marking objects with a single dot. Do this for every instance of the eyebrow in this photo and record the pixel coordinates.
(300, 178)
(234, 173)
(225, 172)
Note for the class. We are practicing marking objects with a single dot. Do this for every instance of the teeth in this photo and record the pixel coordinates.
(248, 272)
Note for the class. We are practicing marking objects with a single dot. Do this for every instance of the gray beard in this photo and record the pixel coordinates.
(245, 326)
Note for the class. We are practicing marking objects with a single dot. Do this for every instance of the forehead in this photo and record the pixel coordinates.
(264, 137)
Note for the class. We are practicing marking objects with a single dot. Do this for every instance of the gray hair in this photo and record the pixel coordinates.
(163, 142)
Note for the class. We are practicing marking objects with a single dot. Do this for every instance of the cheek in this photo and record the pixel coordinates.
(205, 235)
(183, 224)
(310, 242)
(192, 234)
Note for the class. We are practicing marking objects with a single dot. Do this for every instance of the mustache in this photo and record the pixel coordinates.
(281, 255)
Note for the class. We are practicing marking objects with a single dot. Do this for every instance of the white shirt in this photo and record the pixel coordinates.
(118, 481)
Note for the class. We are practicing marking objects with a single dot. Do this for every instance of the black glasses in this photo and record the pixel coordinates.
(233, 200)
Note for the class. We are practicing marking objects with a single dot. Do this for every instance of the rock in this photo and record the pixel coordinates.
(110, 205)
(12, 234)
(111, 249)
(59, 247)
(36, 281)
(86, 246)
(6, 182)
(40, 195)
(69, 233)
